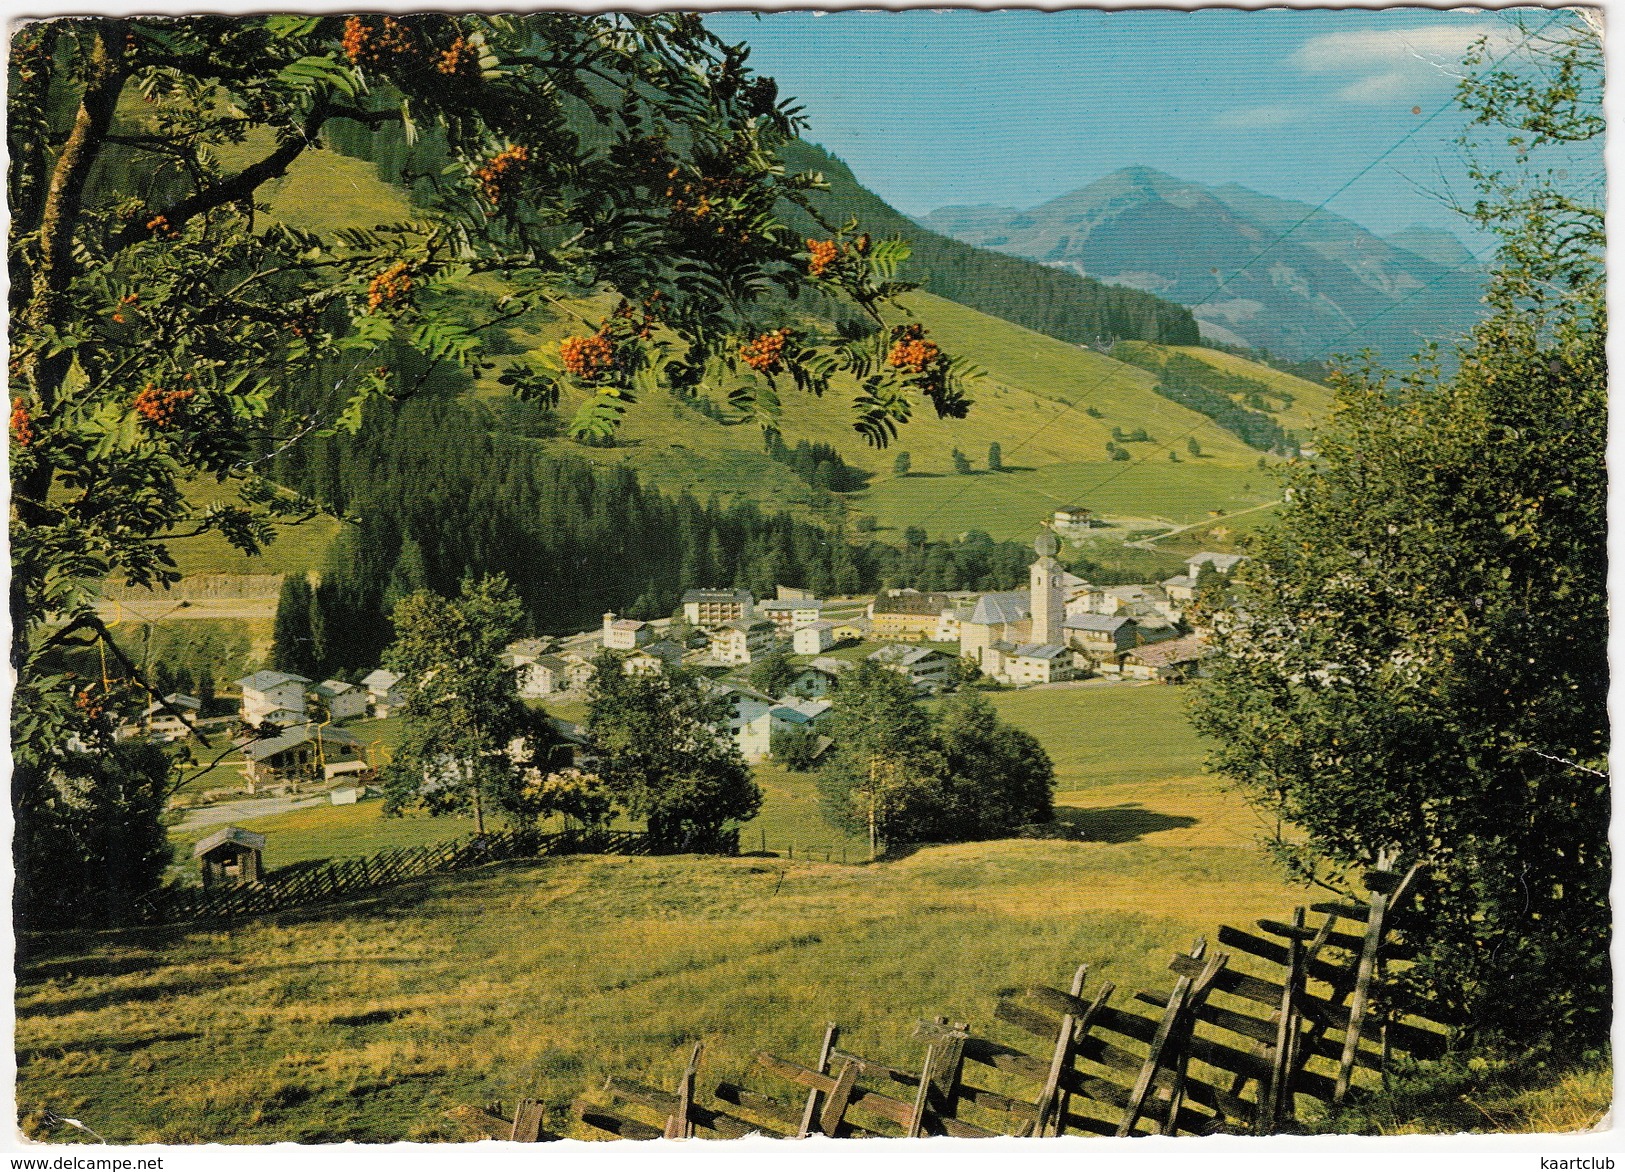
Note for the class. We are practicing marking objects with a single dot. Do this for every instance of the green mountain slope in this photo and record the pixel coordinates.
(1050, 405)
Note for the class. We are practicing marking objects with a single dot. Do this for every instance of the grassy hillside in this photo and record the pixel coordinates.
(367, 1021)
(1050, 405)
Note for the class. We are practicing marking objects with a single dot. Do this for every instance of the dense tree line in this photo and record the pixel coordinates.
(819, 464)
(437, 493)
(1253, 428)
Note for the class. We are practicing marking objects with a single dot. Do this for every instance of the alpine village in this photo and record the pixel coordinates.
(544, 608)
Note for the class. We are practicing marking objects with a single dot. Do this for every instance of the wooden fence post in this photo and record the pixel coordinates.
(809, 1115)
(681, 1123)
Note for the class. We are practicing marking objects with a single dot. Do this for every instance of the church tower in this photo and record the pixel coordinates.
(1046, 596)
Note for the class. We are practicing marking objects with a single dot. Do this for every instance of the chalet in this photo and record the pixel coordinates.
(625, 634)
(712, 608)
(1179, 588)
(794, 712)
(742, 641)
(1034, 663)
(907, 614)
(578, 671)
(1099, 636)
(298, 753)
(1222, 562)
(271, 692)
(540, 676)
(1170, 660)
(1072, 517)
(230, 855)
(749, 723)
(817, 679)
(791, 614)
(384, 694)
(654, 659)
(926, 668)
(159, 722)
(341, 701)
(813, 638)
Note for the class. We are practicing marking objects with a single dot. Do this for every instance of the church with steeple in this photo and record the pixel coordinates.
(1019, 636)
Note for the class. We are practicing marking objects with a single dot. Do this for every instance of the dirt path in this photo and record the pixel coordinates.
(115, 611)
(244, 809)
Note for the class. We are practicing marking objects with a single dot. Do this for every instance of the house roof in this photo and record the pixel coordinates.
(717, 596)
(903, 654)
(820, 625)
(1039, 651)
(264, 681)
(333, 688)
(231, 834)
(1072, 510)
(912, 602)
(174, 700)
(296, 735)
(1137, 593)
(1223, 562)
(1095, 622)
(745, 624)
(629, 624)
(552, 663)
(795, 710)
(1178, 582)
(1185, 649)
(1009, 606)
(380, 680)
(829, 665)
(665, 649)
(793, 604)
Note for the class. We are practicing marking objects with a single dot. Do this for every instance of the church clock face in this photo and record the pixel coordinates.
(1046, 545)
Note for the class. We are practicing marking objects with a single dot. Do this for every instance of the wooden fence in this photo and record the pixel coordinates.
(1239, 1043)
(291, 887)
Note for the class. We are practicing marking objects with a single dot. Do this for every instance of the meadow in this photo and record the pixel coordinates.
(368, 1020)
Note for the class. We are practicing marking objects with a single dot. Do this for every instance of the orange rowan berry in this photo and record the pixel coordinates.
(823, 253)
(22, 429)
(392, 284)
(587, 357)
(911, 350)
(497, 175)
(766, 353)
(461, 60)
(158, 407)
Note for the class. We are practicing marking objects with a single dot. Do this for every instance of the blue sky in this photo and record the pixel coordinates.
(932, 108)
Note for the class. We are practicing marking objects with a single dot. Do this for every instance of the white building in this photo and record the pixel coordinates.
(749, 722)
(539, 675)
(384, 694)
(742, 641)
(268, 695)
(625, 634)
(341, 700)
(712, 608)
(814, 638)
(790, 614)
(653, 659)
(924, 667)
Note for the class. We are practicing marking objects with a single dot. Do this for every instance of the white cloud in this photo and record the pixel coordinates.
(1388, 65)
(1258, 117)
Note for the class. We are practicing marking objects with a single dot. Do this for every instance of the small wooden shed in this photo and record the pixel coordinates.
(231, 855)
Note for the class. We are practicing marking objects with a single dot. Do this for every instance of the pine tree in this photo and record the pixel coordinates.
(293, 647)
(995, 457)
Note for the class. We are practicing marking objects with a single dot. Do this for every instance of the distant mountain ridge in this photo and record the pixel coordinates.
(1064, 304)
(1326, 285)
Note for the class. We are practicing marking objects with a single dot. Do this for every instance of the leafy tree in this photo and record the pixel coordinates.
(162, 321)
(1415, 662)
(905, 777)
(795, 748)
(901, 465)
(961, 463)
(773, 674)
(996, 777)
(580, 797)
(995, 457)
(469, 739)
(1194, 448)
(667, 756)
(883, 751)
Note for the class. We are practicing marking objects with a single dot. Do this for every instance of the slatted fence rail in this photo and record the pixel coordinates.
(1236, 1045)
(344, 877)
